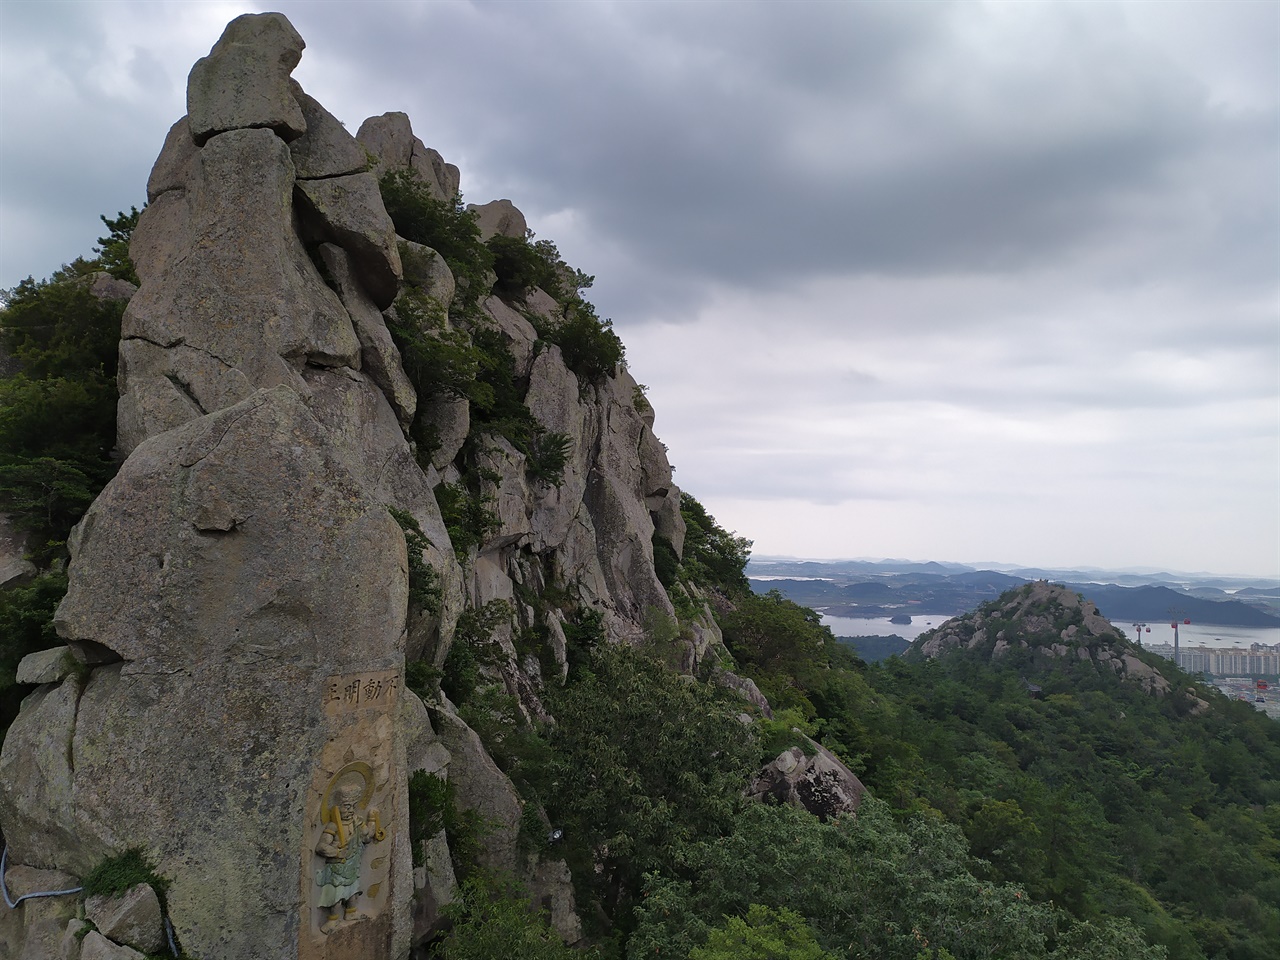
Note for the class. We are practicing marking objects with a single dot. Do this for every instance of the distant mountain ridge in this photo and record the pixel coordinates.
(865, 588)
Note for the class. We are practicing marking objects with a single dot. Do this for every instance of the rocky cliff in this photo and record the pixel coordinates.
(298, 528)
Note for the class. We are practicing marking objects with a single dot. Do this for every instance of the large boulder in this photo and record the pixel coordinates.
(499, 218)
(379, 356)
(216, 319)
(244, 81)
(326, 149)
(348, 211)
(813, 779)
(389, 139)
(132, 918)
(251, 587)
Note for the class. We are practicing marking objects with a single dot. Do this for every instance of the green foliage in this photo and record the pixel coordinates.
(444, 226)
(666, 562)
(58, 328)
(433, 806)
(505, 414)
(424, 582)
(787, 729)
(439, 361)
(115, 875)
(473, 649)
(113, 255)
(522, 265)
(57, 417)
(713, 556)
(765, 934)
(643, 762)
(583, 634)
(57, 430)
(494, 920)
(548, 455)
(423, 678)
(466, 515)
(773, 633)
(588, 344)
(867, 887)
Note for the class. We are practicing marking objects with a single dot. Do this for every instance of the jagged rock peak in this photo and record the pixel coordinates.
(1049, 619)
(244, 81)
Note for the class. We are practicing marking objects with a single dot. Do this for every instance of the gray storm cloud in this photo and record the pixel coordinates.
(881, 265)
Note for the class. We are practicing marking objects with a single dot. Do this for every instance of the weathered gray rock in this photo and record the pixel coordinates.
(551, 889)
(553, 400)
(499, 218)
(38, 786)
(253, 632)
(244, 81)
(390, 139)
(378, 354)
(133, 918)
(519, 332)
(326, 149)
(436, 885)
(509, 496)
(428, 164)
(73, 940)
(163, 232)
(156, 566)
(46, 666)
(1151, 679)
(448, 418)
(819, 782)
(350, 213)
(98, 947)
(364, 432)
(1198, 707)
(540, 302)
(746, 688)
(482, 787)
(173, 168)
(224, 318)
(111, 289)
(425, 270)
(34, 930)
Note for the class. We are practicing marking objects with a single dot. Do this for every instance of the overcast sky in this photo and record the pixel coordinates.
(952, 281)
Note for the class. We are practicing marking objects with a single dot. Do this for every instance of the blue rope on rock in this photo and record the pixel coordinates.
(26, 896)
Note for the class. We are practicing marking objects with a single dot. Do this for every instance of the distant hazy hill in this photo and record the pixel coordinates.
(859, 588)
(1158, 603)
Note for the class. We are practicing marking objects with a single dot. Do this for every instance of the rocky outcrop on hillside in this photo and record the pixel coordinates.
(1050, 620)
(244, 596)
(811, 778)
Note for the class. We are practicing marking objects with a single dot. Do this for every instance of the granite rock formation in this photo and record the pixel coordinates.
(232, 698)
(1052, 620)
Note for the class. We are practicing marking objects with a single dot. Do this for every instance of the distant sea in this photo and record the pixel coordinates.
(881, 627)
(1189, 635)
